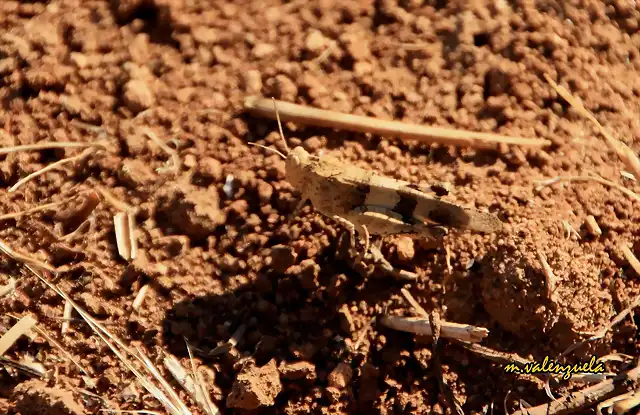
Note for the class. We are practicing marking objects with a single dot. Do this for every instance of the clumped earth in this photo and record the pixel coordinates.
(217, 245)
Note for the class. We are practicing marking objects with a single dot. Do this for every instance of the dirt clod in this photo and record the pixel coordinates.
(36, 398)
(340, 377)
(298, 370)
(137, 96)
(193, 211)
(255, 386)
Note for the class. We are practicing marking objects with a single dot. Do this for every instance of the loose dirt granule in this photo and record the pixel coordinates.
(255, 386)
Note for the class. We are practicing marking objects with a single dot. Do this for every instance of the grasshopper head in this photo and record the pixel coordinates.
(296, 161)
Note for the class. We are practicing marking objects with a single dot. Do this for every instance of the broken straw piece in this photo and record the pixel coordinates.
(422, 326)
(124, 224)
(20, 328)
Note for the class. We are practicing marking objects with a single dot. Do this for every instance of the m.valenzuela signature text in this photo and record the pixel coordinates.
(552, 367)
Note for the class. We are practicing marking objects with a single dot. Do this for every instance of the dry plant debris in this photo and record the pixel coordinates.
(332, 119)
(628, 157)
(422, 326)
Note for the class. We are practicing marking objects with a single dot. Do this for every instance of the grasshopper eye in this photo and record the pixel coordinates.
(294, 159)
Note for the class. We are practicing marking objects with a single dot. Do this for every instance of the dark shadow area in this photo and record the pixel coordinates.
(156, 18)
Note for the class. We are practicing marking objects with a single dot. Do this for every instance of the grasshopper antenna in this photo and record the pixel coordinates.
(269, 148)
(275, 107)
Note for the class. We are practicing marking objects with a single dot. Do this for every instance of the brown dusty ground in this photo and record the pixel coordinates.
(206, 249)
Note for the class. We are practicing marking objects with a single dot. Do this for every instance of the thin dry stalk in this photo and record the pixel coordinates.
(192, 383)
(87, 225)
(579, 401)
(68, 355)
(112, 200)
(625, 154)
(505, 358)
(232, 342)
(175, 158)
(31, 370)
(630, 257)
(600, 180)
(363, 333)
(611, 401)
(549, 276)
(52, 166)
(592, 226)
(422, 326)
(164, 394)
(47, 206)
(10, 337)
(603, 331)
(412, 301)
(25, 259)
(570, 230)
(626, 405)
(333, 119)
(66, 315)
(447, 258)
(124, 224)
(137, 302)
(326, 53)
(49, 145)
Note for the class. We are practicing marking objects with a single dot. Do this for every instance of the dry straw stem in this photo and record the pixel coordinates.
(332, 119)
(622, 150)
(31, 370)
(10, 337)
(68, 355)
(579, 401)
(48, 145)
(626, 405)
(592, 226)
(549, 276)
(137, 302)
(505, 358)
(600, 180)
(112, 200)
(150, 378)
(419, 310)
(175, 159)
(570, 230)
(192, 383)
(46, 206)
(25, 259)
(630, 257)
(604, 330)
(124, 223)
(66, 316)
(52, 166)
(87, 225)
(232, 342)
(422, 326)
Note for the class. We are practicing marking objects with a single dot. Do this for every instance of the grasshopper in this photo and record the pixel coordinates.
(374, 204)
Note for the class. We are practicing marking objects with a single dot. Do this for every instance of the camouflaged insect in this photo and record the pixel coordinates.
(375, 204)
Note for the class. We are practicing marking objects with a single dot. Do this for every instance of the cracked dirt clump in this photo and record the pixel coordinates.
(255, 386)
(36, 398)
(515, 291)
(193, 210)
